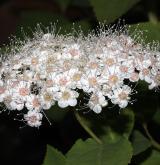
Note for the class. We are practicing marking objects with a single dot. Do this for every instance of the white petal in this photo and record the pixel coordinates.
(97, 109)
(1, 98)
(62, 103)
(105, 103)
(114, 100)
(20, 106)
(84, 81)
(29, 106)
(46, 106)
(72, 102)
(147, 79)
(123, 104)
(13, 105)
(86, 88)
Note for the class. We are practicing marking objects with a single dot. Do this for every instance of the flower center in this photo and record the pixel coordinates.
(110, 61)
(2, 90)
(49, 83)
(32, 119)
(23, 91)
(94, 99)
(51, 60)
(92, 81)
(63, 81)
(123, 96)
(93, 65)
(76, 77)
(158, 78)
(66, 95)
(49, 69)
(34, 61)
(113, 79)
(35, 102)
(145, 72)
(74, 52)
(8, 99)
(67, 64)
(48, 97)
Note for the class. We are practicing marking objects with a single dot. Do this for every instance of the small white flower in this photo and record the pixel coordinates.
(22, 90)
(47, 100)
(66, 97)
(33, 118)
(33, 103)
(134, 77)
(126, 69)
(112, 76)
(90, 81)
(71, 52)
(143, 61)
(17, 103)
(75, 75)
(121, 96)
(63, 79)
(145, 75)
(155, 82)
(96, 102)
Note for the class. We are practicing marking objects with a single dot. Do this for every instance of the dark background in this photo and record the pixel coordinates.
(27, 146)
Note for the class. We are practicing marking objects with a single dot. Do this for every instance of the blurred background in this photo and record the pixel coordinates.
(22, 145)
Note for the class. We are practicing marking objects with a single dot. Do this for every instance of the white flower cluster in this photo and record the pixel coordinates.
(54, 68)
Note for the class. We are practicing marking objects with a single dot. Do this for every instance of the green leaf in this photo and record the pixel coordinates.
(127, 120)
(110, 126)
(81, 3)
(156, 117)
(63, 3)
(110, 10)
(140, 143)
(150, 31)
(91, 153)
(53, 157)
(153, 159)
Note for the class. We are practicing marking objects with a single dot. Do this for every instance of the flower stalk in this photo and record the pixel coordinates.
(86, 128)
(154, 143)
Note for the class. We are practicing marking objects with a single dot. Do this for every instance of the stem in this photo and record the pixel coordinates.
(86, 128)
(154, 143)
